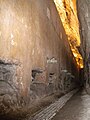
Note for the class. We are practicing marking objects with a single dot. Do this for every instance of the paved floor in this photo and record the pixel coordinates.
(78, 108)
(50, 111)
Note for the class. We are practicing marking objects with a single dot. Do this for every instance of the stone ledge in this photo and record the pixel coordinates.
(49, 112)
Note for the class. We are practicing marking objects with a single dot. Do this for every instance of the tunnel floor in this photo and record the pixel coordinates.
(77, 108)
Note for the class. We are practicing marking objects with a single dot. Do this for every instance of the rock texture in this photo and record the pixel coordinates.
(68, 14)
(84, 18)
(36, 59)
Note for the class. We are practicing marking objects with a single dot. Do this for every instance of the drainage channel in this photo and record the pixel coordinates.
(49, 112)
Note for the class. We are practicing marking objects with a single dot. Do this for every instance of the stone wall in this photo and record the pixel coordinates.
(35, 57)
(84, 18)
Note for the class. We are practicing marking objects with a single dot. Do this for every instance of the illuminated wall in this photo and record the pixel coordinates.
(68, 14)
(35, 57)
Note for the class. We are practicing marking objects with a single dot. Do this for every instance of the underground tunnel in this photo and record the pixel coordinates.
(44, 54)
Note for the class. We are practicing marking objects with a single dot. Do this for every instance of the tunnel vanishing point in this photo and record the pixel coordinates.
(37, 55)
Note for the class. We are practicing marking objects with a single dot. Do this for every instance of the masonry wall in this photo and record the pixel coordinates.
(35, 57)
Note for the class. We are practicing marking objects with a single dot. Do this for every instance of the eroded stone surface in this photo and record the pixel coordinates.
(32, 34)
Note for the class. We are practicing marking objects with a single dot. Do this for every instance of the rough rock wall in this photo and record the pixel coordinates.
(84, 18)
(35, 57)
(68, 14)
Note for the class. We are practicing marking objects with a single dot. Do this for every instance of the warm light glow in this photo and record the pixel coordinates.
(68, 14)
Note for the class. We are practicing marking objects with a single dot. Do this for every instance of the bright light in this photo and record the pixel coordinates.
(68, 14)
